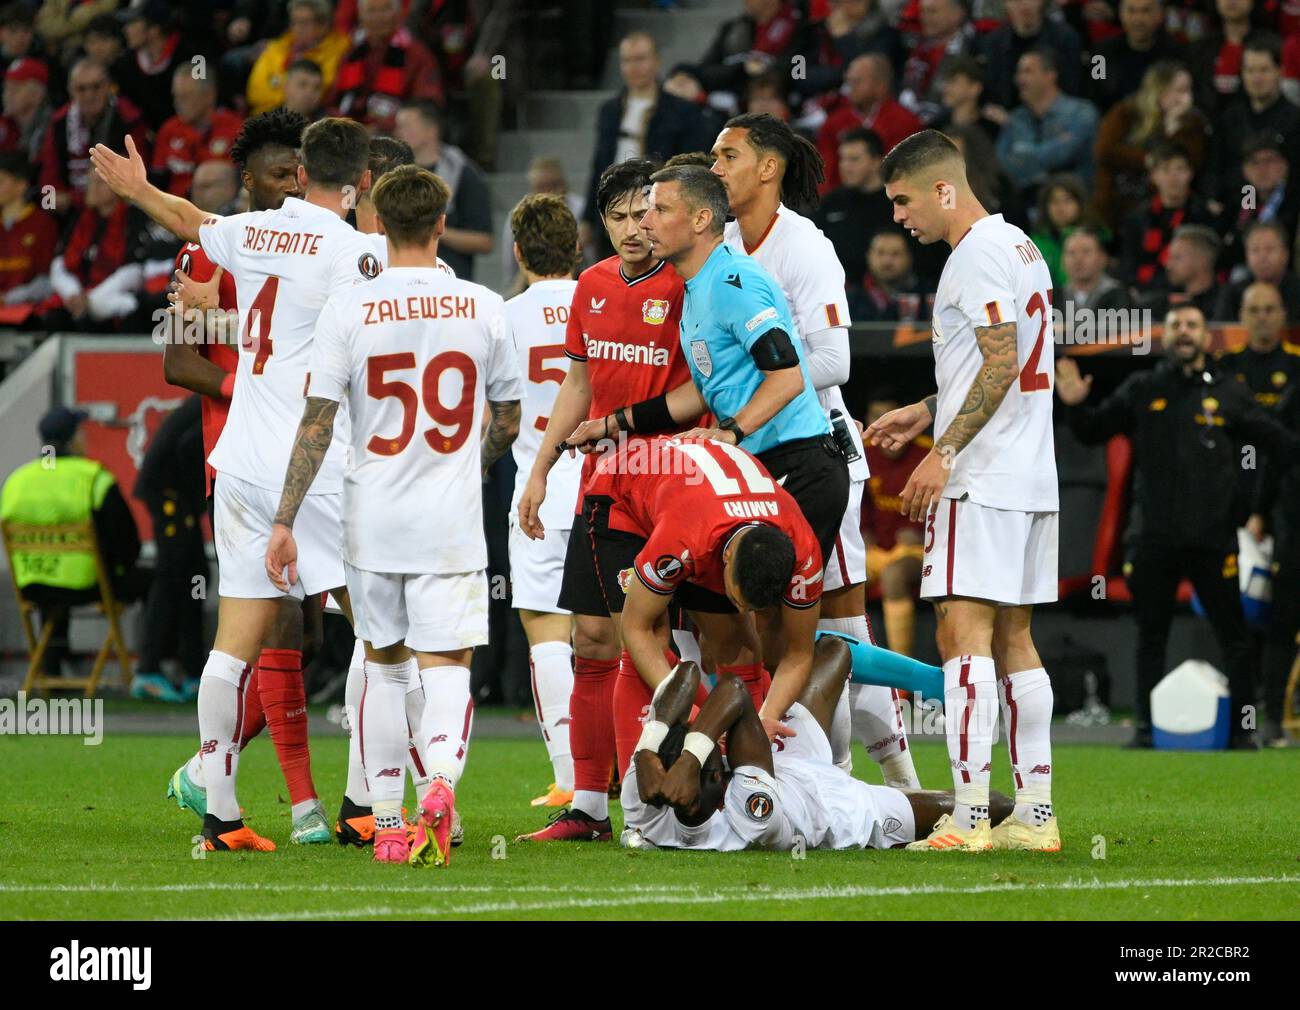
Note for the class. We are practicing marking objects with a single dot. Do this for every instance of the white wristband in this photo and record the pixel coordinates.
(652, 736)
(699, 745)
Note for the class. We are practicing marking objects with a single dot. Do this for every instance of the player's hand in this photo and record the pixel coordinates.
(530, 508)
(282, 558)
(192, 294)
(587, 436)
(896, 428)
(125, 176)
(1071, 387)
(699, 434)
(649, 777)
(775, 728)
(925, 486)
(681, 785)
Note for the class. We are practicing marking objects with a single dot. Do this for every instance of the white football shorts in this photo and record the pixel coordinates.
(429, 613)
(537, 569)
(989, 554)
(847, 565)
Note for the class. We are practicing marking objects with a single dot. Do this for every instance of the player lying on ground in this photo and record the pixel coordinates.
(414, 552)
(681, 793)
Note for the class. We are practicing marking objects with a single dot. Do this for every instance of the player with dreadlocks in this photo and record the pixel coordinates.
(767, 170)
(266, 155)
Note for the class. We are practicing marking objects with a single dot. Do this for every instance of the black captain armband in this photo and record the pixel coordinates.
(651, 415)
(774, 351)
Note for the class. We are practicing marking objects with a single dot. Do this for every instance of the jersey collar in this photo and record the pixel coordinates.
(710, 264)
(766, 231)
(644, 277)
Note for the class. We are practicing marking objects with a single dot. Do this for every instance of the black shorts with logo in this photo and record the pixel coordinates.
(815, 474)
(615, 551)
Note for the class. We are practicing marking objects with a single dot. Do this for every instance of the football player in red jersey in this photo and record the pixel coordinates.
(266, 154)
(623, 347)
(705, 522)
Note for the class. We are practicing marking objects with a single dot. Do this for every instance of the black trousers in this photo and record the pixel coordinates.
(1279, 640)
(54, 603)
(816, 475)
(173, 616)
(1153, 579)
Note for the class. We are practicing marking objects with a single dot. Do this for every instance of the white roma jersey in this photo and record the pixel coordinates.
(995, 274)
(539, 317)
(415, 353)
(803, 261)
(286, 263)
(379, 243)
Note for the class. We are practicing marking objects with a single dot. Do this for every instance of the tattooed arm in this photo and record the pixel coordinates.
(998, 346)
(314, 433)
(501, 432)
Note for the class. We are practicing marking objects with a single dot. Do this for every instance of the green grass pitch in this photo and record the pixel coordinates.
(86, 832)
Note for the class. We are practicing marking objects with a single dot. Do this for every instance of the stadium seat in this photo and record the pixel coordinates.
(57, 540)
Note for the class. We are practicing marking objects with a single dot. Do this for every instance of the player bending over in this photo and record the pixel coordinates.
(413, 347)
(680, 792)
(987, 490)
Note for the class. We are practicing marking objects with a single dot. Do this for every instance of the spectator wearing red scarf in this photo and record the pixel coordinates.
(766, 35)
(198, 132)
(156, 50)
(386, 67)
(99, 271)
(1146, 233)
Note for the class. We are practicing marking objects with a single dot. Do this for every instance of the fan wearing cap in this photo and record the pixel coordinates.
(59, 487)
(26, 107)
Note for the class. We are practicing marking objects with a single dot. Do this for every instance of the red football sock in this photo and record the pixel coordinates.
(631, 699)
(754, 676)
(591, 722)
(279, 673)
(254, 715)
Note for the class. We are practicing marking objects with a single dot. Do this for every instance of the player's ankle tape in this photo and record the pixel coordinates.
(652, 736)
(699, 745)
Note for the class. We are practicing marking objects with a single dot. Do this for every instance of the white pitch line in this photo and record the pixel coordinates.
(431, 888)
(667, 896)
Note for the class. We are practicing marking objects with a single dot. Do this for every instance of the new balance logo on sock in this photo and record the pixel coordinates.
(1041, 770)
(388, 773)
(440, 738)
(75, 963)
(208, 747)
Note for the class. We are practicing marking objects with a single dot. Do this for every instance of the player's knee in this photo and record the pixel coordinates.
(594, 638)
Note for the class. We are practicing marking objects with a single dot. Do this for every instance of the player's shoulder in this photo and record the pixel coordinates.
(800, 234)
(552, 292)
(600, 273)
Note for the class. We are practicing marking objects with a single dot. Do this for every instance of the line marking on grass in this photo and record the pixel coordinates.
(622, 896)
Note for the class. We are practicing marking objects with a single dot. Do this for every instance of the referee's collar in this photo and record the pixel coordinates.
(723, 249)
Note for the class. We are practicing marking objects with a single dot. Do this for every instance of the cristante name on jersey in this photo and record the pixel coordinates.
(632, 354)
(272, 240)
(400, 310)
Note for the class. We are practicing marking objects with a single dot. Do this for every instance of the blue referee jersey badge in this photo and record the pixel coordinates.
(700, 355)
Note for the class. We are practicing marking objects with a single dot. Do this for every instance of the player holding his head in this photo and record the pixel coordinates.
(766, 168)
(285, 262)
(546, 248)
(681, 793)
(414, 346)
(987, 490)
(622, 343)
(266, 155)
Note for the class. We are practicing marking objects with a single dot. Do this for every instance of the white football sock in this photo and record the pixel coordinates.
(447, 721)
(842, 719)
(383, 734)
(221, 716)
(970, 706)
(194, 769)
(414, 714)
(594, 804)
(877, 718)
(357, 791)
(688, 646)
(1027, 701)
(552, 684)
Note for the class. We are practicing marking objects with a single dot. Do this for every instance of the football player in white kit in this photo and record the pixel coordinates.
(285, 262)
(415, 349)
(987, 491)
(759, 158)
(546, 248)
(678, 793)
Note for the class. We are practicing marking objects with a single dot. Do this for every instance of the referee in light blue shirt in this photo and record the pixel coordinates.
(744, 354)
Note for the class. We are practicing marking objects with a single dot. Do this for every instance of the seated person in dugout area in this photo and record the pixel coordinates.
(682, 792)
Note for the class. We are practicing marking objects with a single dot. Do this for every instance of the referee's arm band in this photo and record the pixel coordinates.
(774, 351)
(652, 415)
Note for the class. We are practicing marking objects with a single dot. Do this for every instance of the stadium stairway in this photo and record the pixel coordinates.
(562, 123)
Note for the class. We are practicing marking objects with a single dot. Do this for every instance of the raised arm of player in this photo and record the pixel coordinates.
(799, 630)
(315, 432)
(128, 178)
(572, 404)
(501, 432)
(997, 345)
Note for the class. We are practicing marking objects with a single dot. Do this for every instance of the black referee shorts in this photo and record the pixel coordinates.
(815, 474)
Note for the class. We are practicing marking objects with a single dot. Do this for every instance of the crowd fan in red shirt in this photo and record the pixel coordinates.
(26, 111)
(198, 132)
(27, 238)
